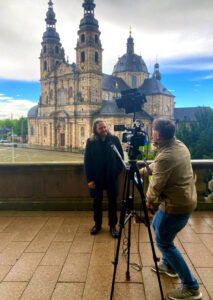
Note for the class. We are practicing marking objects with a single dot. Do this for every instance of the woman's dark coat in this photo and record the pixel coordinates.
(93, 161)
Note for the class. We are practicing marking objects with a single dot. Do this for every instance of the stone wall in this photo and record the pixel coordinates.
(62, 186)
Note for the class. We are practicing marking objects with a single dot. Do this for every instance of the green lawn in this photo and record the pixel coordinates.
(36, 155)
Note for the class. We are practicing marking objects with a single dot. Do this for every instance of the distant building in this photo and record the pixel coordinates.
(73, 95)
(4, 130)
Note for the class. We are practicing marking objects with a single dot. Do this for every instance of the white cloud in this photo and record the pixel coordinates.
(15, 108)
(172, 29)
(190, 66)
(206, 77)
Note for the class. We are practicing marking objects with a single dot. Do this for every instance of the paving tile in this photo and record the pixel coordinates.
(66, 233)
(151, 285)
(102, 253)
(207, 239)
(7, 213)
(143, 233)
(42, 241)
(202, 214)
(192, 269)
(146, 254)
(11, 290)
(206, 275)
(68, 291)
(30, 229)
(187, 235)
(206, 293)
(3, 271)
(103, 236)
(42, 283)
(24, 268)
(75, 268)
(135, 272)
(4, 222)
(20, 224)
(78, 266)
(56, 254)
(209, 221)
(98, 283)
(82, 243)
(123, 291)
(194, 252)
(12, 252)
(178, 245)
(5, 239)
(199, 225)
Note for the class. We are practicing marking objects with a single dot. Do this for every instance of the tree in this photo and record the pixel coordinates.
(19, 126)
(197, 135)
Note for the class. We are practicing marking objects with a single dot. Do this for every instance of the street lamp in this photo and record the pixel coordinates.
(12, 146)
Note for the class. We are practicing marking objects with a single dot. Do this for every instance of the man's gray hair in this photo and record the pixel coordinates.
(164, 127)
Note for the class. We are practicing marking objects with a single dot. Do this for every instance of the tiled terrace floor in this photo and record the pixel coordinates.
(51, 255)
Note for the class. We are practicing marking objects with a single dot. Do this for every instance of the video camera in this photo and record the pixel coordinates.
(132, 101)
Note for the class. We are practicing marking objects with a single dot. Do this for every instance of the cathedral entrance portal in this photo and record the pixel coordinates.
(62, 140)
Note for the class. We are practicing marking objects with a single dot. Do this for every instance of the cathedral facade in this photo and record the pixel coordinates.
(74, 95)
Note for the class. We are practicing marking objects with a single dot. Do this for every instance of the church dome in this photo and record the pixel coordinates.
(89, 22)
(33, 112)
(130, 61)
(51, 36)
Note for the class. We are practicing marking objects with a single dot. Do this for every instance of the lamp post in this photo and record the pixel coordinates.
(12, 146)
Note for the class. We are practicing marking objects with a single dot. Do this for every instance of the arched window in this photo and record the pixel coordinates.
(134, 81)
(45, 65)
(82, 132)
(32, 131)
(70, 92)
(47, 100)
(51, 94)
(56, 50)
(83, 56)
(167, 108)
(96, 39)
(62, 97)
(45, 131)
(45, 49)
(83, 38)
(96, 57)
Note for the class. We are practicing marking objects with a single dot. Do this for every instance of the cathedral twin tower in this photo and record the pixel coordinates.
(73, 95)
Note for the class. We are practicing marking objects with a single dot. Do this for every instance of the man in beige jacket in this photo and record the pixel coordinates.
(173, 185)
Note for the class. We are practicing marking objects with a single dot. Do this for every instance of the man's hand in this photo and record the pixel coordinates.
(149, 206)
(91, 185)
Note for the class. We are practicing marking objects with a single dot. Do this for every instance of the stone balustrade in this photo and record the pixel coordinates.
(62, 186)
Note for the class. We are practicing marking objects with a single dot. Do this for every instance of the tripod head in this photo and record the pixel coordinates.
(132, 101)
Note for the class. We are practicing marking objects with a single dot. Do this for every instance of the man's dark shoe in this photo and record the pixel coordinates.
(95, 229)
(163, 269)
(114, 232)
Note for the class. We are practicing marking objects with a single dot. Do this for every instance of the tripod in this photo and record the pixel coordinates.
(127, 206)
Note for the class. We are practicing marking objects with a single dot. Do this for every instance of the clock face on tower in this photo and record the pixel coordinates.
(82, 67)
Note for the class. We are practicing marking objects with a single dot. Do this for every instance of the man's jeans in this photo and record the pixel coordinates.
(166, 227)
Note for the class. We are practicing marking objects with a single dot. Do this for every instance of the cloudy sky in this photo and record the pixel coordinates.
(178, 32)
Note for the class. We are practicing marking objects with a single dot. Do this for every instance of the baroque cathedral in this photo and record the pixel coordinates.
(74, 95)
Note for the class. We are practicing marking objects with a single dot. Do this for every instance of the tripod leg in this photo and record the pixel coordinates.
(140, 188)
(130, 209)
(121, 226)
(115, 262)
(128, 253)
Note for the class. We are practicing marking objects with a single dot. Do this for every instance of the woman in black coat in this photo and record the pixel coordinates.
(103, 167)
